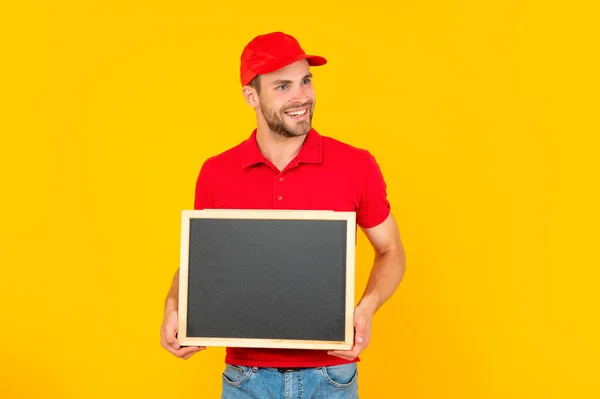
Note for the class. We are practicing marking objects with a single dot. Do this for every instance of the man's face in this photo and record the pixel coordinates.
(287, 99)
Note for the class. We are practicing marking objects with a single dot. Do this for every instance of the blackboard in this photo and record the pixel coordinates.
(267, 278)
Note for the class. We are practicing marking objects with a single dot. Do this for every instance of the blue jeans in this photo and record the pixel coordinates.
(332, 382)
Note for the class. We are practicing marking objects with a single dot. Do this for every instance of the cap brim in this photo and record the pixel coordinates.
(313, 60)
(316, 60)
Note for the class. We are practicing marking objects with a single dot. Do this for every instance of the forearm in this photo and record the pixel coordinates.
(386, 275)
(172, 300)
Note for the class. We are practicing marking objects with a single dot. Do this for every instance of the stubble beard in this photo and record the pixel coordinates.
(277, 124)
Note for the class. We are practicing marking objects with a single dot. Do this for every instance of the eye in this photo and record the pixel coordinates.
(306, 81)
(281, 87)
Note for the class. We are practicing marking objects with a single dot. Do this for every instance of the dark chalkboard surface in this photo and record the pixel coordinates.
(272, 278)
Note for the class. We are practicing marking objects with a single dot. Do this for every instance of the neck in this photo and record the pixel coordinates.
(279, 150)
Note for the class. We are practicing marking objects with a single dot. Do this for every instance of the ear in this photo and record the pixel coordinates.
(250, 96)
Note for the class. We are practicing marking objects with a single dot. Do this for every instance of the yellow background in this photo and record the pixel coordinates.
(482, 114)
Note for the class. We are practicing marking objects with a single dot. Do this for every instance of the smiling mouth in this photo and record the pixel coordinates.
(298, 113)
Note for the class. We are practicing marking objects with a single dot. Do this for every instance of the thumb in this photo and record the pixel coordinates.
(360, 329)
(172, 327)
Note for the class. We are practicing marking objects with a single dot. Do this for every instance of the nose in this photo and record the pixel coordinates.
(300, 93)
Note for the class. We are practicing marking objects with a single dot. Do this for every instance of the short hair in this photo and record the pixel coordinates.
(255, 84)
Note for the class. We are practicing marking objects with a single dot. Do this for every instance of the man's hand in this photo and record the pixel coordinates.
(363, 318)
(168, 338)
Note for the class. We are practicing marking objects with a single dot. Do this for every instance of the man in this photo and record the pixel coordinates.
(286, 164)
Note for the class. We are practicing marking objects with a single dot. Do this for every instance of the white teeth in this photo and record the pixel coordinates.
(298, 113)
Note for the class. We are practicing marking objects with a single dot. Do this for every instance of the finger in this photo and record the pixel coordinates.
(186, 351)
(198, 349)
(170, 338)
(361, 329)
(187, 356)
(346, 354)
(168, 344)
(171, 326)
(170, 348)
(343, 355)
(351, 354)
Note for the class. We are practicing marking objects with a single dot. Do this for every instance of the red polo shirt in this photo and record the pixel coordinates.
(325, 175)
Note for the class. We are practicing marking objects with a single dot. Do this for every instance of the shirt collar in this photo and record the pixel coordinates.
(311, 150)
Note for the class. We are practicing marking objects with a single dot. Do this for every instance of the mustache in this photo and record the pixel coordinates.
(299, 105)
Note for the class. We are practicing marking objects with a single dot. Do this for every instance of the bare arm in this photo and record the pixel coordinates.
(170, 325)
(172, 300)
(389, 264)
(386, 274)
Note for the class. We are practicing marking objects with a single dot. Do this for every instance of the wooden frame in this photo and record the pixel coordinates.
(349, 217)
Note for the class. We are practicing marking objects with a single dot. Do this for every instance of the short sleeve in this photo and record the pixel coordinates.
(374, 206)
(203, 197)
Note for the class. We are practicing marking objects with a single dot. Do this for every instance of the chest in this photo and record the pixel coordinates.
(307, 186)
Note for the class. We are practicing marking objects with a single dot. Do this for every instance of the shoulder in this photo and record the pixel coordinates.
(357, 161)
(340, 150)
(225, 159)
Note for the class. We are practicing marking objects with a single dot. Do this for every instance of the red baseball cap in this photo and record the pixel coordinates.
(270, 52)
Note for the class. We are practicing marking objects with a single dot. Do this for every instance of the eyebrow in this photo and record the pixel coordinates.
(287, 81)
